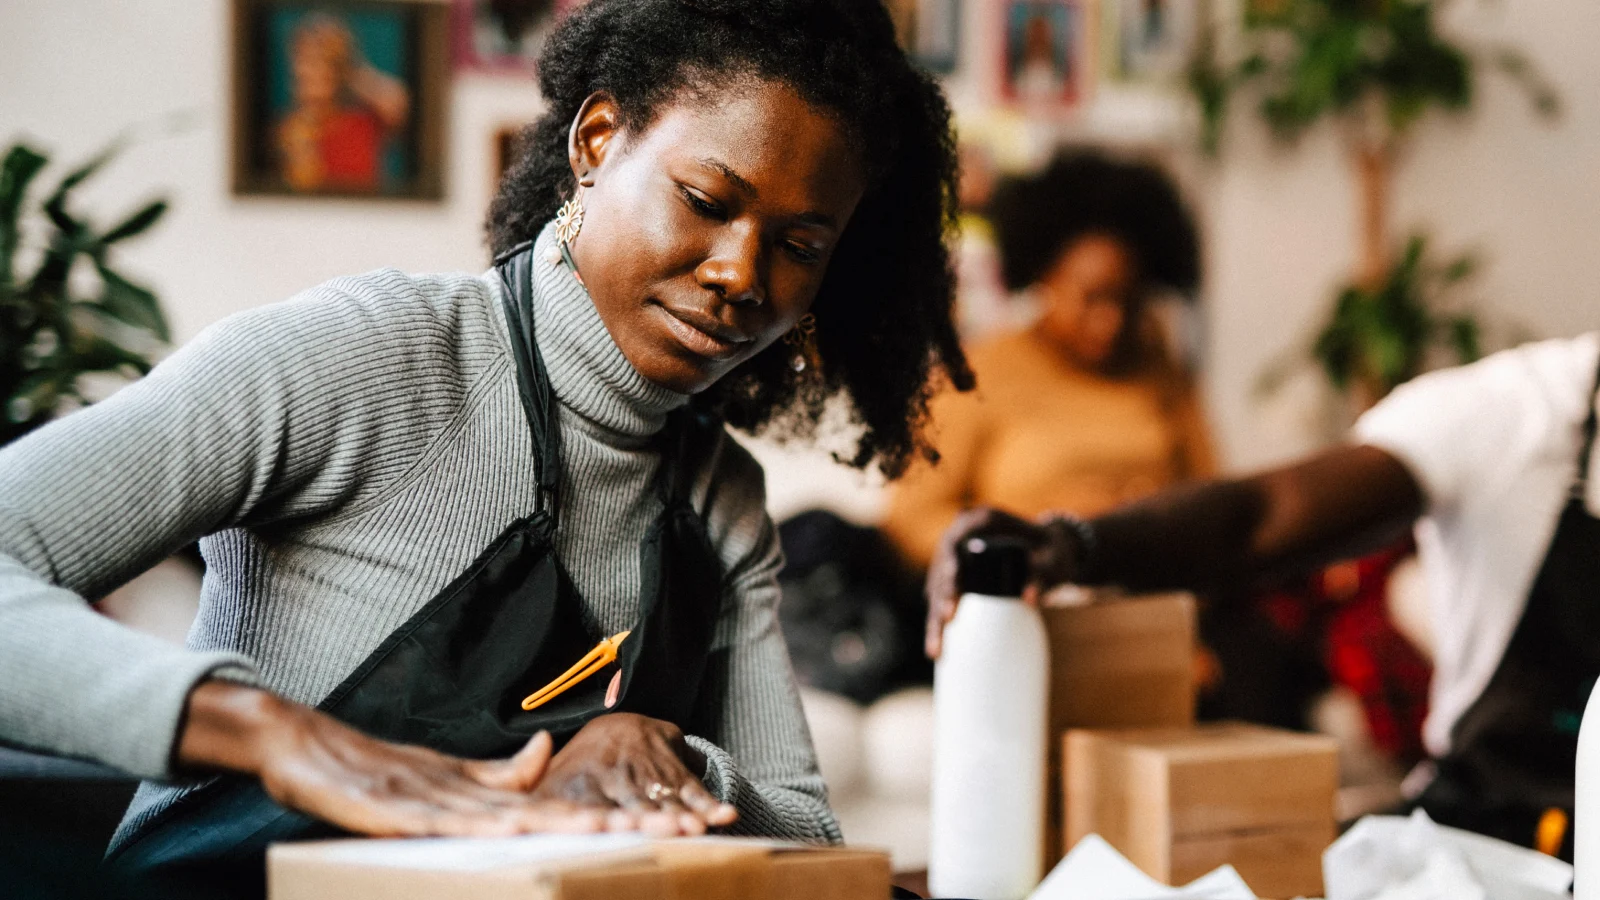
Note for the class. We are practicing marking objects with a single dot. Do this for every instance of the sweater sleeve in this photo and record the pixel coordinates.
(759, 755)
(247, 424)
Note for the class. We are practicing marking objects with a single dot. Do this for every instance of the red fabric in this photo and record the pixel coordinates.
(1362, 650)
(351, 145)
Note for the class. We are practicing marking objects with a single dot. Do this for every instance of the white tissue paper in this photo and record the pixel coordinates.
(1397, 858)
(1094, 870)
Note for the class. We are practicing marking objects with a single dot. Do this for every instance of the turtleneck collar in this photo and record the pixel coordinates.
(588, 372)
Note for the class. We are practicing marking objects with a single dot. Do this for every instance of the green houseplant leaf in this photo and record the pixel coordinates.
(130, 303)
(16, 173)
(54, 330)
(136, 223)
(1378, 338)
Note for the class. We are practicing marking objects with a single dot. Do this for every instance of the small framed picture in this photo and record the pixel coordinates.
(1149, 41)
(1267, 12)
(1046, 50)
(930, 31)
(503, 35)
(508, 144)
(339, 98)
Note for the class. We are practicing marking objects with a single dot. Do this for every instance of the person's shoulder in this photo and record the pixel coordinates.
(393, 305)
(1453, 427)
(1003, 350)
(1555, 374)
(385, 317)
(1560, 369)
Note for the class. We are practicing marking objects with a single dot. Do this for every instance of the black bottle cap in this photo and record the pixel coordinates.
(996, 566)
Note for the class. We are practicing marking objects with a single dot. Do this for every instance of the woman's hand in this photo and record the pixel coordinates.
(641, 772)
(1055, 560)
(311, 762)
(384, 94)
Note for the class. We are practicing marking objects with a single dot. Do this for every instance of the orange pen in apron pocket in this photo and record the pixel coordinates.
(604, 654)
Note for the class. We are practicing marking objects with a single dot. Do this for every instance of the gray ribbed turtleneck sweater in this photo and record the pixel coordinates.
(346, 454)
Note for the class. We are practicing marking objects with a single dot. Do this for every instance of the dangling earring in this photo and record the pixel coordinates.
(802, 337)
(569, 220)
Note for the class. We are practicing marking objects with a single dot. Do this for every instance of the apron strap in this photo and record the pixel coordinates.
(1580, 483)
(687, 443)
(515, 268)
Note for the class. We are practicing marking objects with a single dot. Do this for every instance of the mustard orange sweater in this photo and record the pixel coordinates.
(1042, 435)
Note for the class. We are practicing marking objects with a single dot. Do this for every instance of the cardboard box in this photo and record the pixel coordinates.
(1119, 663)
(588, 867)
(1180, 802)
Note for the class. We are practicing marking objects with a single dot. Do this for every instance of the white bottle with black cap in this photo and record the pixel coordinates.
(990, 708)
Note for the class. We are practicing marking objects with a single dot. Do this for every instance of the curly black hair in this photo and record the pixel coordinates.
(1083, 192)
(884, 330)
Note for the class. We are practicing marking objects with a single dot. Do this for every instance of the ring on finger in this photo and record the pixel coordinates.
(658, 792)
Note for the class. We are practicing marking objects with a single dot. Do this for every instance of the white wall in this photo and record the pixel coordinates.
(1279, 223)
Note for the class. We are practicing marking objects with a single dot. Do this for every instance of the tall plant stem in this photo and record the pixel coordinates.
(1374, 165)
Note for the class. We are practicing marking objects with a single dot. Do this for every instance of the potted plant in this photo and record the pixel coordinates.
(54, 327)
(1374, 69)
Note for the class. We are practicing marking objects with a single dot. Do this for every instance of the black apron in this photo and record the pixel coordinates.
(1515, 751)
(453, 677)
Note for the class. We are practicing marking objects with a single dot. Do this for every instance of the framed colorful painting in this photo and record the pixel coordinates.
(1047, 51)
(1266, 12)
(339, 98)
(1150, 41)
(930, 31)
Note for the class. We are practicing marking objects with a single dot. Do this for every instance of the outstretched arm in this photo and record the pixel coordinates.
(1337, 504)
(241, 426)
(309, 761)
(1333, 505)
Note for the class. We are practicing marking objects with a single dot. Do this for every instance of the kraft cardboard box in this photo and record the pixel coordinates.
(1116, 663)
(583, 867)
(1178, 802)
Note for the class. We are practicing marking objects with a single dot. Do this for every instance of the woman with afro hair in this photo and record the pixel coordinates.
(481, 556)
(1085, 409)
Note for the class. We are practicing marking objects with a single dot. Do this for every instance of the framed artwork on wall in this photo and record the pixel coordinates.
(1264, 12)
(508, 144)
(1047, 51)
(930, 31)
(1149, 41)
(339, 98)
(503, 35)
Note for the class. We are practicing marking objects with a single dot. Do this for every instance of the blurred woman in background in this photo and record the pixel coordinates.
(1086, 409)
